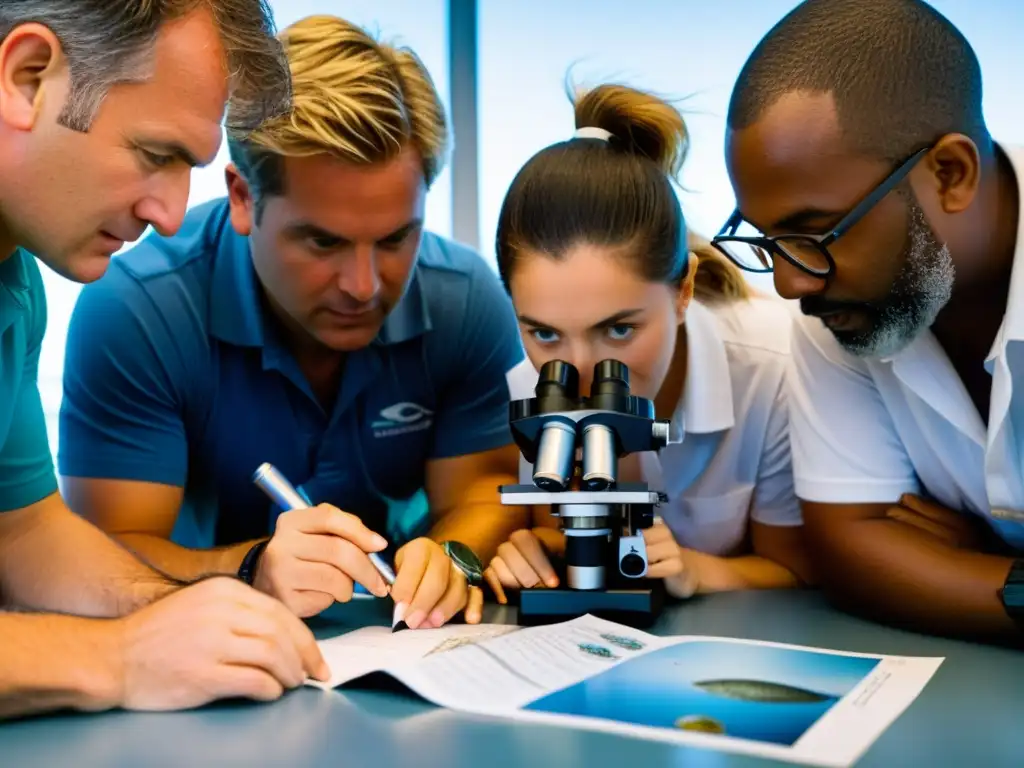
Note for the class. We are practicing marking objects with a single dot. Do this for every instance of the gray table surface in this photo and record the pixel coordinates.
(970, 712)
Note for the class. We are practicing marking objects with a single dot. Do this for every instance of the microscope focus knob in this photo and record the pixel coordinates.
(661, 434)
(633, 565)
(633, 556)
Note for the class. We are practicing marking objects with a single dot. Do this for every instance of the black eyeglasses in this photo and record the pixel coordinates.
(807, 252)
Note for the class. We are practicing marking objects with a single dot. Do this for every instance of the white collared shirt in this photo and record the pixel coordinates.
(733, 463)
(870, 430)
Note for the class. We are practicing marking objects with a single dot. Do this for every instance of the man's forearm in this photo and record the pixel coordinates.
(182, 563)
(898, 574)
(481, 521)
(57, 662)
(52, 560)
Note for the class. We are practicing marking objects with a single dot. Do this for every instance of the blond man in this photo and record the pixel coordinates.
(309, 321)
(102, 112)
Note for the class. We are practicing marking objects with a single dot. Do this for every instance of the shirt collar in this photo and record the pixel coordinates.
(706, 405)
(236, 314)
(938, 385)
(410, 317)
(1012, 328)
(13, 273)
(14, 287)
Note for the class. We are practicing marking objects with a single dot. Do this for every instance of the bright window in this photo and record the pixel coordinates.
(687, 50)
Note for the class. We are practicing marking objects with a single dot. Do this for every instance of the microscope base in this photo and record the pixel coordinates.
(637, 608)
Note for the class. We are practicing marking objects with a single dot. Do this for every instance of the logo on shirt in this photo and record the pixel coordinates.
(402, 418)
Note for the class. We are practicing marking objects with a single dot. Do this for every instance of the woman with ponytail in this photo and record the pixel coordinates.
(594, 251)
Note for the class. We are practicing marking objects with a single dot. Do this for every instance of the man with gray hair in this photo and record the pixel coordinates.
(104, 109)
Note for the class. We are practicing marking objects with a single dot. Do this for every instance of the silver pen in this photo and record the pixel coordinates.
(270, 480)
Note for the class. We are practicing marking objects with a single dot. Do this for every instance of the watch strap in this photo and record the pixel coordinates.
(1012, 593)
(247, 570)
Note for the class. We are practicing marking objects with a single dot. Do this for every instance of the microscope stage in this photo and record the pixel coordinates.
(625, 493)
(633, 607)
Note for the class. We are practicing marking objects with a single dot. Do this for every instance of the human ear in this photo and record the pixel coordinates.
(685, 294)
(30, 57)
(954, 166)
(240, 201)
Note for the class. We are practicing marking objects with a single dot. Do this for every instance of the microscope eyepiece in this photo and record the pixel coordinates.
(558, 378)
(610, 378)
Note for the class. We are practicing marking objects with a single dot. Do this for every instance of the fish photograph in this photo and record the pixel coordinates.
(764, 693)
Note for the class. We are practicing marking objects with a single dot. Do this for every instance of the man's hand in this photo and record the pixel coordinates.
(956, 529)
(524, 561)
(212, 640)
(429, 589)
(665, 560)
(314, 558)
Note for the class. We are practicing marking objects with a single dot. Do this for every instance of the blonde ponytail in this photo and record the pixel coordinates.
(717, 278)
(639, 122)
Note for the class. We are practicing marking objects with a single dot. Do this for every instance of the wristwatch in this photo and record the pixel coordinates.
(465, 560)
(1012, 593)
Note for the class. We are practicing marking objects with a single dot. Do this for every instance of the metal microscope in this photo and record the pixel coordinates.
(565, 436)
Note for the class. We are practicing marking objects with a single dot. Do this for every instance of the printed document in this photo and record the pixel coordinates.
(786, 702)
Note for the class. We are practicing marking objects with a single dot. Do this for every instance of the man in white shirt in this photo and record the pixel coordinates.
(860, 158)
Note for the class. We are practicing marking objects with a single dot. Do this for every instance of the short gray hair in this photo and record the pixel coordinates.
(107, 42)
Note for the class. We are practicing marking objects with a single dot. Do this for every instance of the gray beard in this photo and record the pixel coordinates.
(920, 291)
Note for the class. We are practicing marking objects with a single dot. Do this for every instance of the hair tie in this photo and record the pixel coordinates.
(592, 133)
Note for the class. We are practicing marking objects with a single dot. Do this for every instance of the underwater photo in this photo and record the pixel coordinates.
(746, 691)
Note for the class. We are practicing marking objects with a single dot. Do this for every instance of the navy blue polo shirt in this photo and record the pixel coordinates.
(176, 374)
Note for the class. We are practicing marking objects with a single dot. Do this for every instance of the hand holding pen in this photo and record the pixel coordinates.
(317, 553)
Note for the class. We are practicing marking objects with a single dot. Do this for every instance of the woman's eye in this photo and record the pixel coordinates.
(544, 335)
(621, 332)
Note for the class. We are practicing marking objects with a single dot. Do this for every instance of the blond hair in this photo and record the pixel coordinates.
(616, 193)
(353, 98)
(717, 278)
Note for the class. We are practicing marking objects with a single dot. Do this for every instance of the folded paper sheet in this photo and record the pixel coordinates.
(785, 702)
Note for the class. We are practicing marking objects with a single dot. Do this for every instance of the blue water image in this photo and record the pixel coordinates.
(753, 692)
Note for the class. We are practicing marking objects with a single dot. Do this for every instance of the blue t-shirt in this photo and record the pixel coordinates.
(26, 467)
(175, 374)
